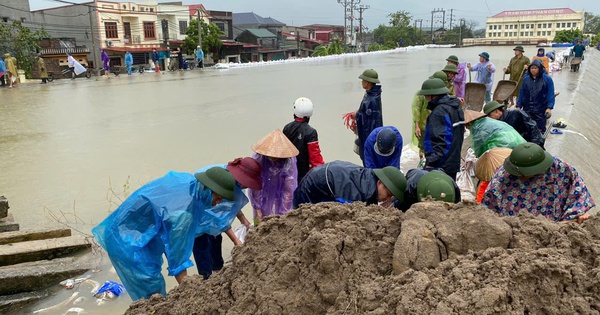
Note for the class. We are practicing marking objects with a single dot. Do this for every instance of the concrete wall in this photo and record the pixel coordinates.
(581, 113)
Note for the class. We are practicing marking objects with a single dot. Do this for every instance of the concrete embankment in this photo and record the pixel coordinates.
(580, 109)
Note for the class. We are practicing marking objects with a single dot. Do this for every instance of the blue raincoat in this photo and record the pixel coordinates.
(128, 62)
(537, 95)
(162, 217)
(368, 117)
(374, 160)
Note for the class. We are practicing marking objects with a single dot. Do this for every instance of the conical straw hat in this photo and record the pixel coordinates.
(276, 145)
(489, 161)
(471, 115)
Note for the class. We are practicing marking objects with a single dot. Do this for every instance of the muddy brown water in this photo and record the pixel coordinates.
(71, 150)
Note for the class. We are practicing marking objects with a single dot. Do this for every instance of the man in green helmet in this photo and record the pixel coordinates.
(516, 68)
(444, 132)
(531, 179)
(428, 183)
(517, 119)
(460, 79)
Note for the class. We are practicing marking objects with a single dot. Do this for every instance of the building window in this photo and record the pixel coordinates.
(490, 27)
(505, 34)
(569, 24)
(557, 25)
(574, 25)
(564, 25)
(521, 33)
(489, 34)
(531, 33)
(149, 30)
(544, 25)
(539, 33)
(539, 25)
(127, 29)
(527, 26)
(221, 26)
(111, 30)
(182, 27)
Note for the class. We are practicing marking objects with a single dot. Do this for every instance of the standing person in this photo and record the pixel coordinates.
(164, 217)
(279, 175)
(105, 62)
(369, 115)
(450, 71)
(516, 67)
(443, 134)
(531, 179)
(485, 73)
(128, 61)
(42, 68)
(460, 79)
(541, 56)
(578, 49)
(304, 137)
(2, 72)
(536, 96)
(71, 64)
(383, 148)
(419, 121)
(346, 182)
(179, 59)
(11, 67)
(156, 60)
(207, 250)
(200, 57)
(517, 119)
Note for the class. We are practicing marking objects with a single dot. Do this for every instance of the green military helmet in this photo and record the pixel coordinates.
(452, 58)
(393, 180)
(450, 68)
(491, 106)
(520, 48)
(436, 185)
(219, 180)
(528, 159)
(433, 86)
(370, 75)
(440, 75)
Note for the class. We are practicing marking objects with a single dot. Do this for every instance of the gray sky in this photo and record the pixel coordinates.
(304, 12)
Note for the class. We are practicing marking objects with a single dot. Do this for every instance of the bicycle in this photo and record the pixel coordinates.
(66, 74)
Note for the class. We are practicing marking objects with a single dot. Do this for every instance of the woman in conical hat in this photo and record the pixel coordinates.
(279, 177)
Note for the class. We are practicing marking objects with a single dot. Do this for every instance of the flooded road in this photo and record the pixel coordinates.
(71, 150)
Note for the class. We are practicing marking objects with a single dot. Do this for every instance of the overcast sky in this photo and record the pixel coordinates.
(304, 12)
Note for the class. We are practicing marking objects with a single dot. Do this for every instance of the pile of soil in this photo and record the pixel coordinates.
(434, 259)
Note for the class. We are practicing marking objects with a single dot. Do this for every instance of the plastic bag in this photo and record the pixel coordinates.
(465, 184)
(241, 231)
(110, 288)
(488, 133)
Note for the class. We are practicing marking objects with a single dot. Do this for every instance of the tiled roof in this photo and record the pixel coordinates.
(251, 18)
(261, 33)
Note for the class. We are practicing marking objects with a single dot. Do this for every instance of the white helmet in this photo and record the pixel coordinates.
(303, 107)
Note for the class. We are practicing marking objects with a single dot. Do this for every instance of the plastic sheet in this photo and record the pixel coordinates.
(488, 133)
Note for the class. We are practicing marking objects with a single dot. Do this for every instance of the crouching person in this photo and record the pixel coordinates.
(346, 182)
(430, 183)
(164, 217)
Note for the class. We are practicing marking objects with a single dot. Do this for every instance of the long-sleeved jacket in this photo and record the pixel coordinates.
(306, 140)
(537, 95)
(460, 80)
(337, 181)
(419, 116)
(279, 179)
(368, 117)
(128, 59)
(2, 66)
(199, 55)
(524, 125)
(484, 75)
(42, 67)
(444, 135)
(374, 160)
(515, 68)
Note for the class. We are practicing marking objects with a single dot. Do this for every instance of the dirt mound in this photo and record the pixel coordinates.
(446, 259)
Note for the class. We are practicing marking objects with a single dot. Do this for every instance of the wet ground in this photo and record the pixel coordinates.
(71, 150)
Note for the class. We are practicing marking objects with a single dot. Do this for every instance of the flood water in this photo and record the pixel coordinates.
(70, 150)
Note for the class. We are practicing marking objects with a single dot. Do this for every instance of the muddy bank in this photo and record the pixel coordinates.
(435, 259)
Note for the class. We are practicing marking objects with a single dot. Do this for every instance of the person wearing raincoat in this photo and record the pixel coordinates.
(11, 67)
(105, 62)
(369, 115)
(419, 121)
(207, 250)
(2, 72)
(345, 182)
(541, 56)
(536, 96)
(129, 62)
(488, 133)
(516, 67)
(200, 57)
(532, 180)
(517, 119)
(450, 71)
(485, 73)
(42, 68)
(279, 175)
(164, 217)
(460, 78)
(383, 148)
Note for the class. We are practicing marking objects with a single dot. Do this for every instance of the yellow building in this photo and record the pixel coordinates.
(531, 26)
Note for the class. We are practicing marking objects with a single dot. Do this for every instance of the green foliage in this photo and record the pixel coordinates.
(400, 19)
(211, 38)
(567, 36)
(22, 43)
(375, 47)
(334, 48)
(595, 39)
(592, 23)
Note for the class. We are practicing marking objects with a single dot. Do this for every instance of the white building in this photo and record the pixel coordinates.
(531, 26)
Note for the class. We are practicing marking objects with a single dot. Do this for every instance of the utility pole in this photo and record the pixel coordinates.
(199, 28)
(344, 3)
(450, 18)
(93, 34)
(461, 24)
(361, 9)
(432, 17)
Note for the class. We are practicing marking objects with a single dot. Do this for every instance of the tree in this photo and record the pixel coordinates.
(592, 23)
(567, 36)
(211, 38)
(400, 19)
(334, 48)
(22, 43)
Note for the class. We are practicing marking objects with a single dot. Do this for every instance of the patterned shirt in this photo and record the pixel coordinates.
(559, 194)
